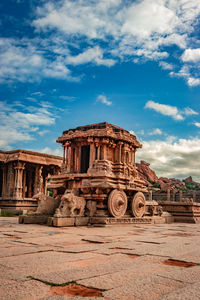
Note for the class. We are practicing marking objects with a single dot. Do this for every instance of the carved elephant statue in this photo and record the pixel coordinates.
(46, 204)
(71, 205)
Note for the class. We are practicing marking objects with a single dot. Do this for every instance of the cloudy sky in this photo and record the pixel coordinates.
(133, 63)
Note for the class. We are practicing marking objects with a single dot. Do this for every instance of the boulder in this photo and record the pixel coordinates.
(145, 172)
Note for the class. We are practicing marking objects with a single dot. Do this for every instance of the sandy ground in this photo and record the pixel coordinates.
(127, 262)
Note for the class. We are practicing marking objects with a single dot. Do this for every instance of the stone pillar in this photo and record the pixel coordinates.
(45, 184)
(64, 150)
(120, 152)
(168, 194)
(173, 195)
(4, 183)
(10, 180)
(73, 159)
(122, 155)
(18, 187)
(134, 156)
(92, 154)
(24, 184)
(30, 181)
(98, 151)
(150, 195)
(180, 195)
(104, 152)
(129, 157)
(38, 181)
(77, 159)
(69, 159)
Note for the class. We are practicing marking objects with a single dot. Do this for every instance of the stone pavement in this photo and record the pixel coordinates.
(115, 262)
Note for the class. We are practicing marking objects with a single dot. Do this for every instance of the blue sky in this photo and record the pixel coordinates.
(131, 63)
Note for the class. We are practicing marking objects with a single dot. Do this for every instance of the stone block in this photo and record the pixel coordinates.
(158, 220)
(168, 217)
(21, 219)
(33, 219)
(81, 221)
(63, 222)
(50, 221)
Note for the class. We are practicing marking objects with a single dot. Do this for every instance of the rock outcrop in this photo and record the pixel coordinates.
(145, 172)
(164, 183)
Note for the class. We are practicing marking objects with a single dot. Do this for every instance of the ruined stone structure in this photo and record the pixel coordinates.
(184, 206)
(24, 174)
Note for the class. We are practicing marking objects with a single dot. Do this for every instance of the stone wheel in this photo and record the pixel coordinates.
(138, 205)
(117, 203)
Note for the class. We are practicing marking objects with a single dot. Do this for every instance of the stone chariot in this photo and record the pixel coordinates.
(99, 171)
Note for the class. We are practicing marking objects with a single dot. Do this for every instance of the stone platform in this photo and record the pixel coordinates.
(187, 212)
(33, 219)
(114, 221)
(84, 221)
(136, 261)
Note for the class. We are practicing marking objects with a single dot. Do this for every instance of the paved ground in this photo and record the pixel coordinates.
(117, 262)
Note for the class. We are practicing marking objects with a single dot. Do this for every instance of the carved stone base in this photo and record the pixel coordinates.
(16, 206)
(63, 222)
(109, 221)
(158, 220)
(168, 217)
(185, 212)
(42, 219)
(69, 221)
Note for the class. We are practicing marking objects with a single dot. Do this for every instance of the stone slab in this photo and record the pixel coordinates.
(188, 292)
(63, 222)
(22, 290)
(146, 288)
(158, 220)
(33, 219)
(81, 221)
(100, 257)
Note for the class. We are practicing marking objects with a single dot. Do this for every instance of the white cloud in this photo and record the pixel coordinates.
(22, 61)
(109, 30)
(104, 100)
(193, 81)
(197, 124)
(164, 109)
(138, 28)
(166, 66)
(185, 72)
(57, 151)
(172, 158)
(191, 55)
(68, 98)
(94, 55)
(188, 111)
(21, 126)
(145, 18)
(156, 131)
(86, 18)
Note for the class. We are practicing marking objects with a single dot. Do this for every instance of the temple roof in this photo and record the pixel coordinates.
(29, 156)
(99, 130)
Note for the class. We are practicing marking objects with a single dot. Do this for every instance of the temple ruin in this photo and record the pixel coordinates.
(22, 175)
